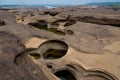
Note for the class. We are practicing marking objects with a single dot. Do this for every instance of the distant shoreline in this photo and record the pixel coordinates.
(33, 6)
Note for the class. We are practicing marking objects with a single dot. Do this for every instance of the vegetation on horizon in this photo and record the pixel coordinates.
(110, 4)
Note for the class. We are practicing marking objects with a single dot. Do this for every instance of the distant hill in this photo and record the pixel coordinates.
(104, 4)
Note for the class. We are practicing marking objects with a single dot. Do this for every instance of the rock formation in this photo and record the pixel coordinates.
(71, 43)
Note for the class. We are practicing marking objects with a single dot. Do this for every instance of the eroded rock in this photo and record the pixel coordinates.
(67, 66)
(88, 50)
(2, 23)
(10, 46)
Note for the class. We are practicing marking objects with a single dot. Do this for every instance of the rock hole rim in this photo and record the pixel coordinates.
(53, 49)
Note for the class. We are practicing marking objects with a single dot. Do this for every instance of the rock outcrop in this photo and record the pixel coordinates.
(71, 43)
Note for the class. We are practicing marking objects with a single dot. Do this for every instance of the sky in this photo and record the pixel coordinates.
(72, 2)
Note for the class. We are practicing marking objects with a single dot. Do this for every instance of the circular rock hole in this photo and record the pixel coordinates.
(53, 49)
(65, 75)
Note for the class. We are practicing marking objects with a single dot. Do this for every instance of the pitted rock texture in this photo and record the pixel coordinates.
(88, 50)
(55, 63)
(10, 46)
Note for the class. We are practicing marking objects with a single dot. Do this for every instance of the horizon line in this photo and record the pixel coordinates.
(54, 4)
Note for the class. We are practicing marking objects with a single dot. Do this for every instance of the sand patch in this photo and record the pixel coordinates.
(34, 42)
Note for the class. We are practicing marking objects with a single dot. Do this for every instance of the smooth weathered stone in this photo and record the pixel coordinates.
(88, 50)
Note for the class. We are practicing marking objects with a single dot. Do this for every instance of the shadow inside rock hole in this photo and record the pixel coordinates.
(54, 54)
(43, 25)
(35, 55)
(65, 75)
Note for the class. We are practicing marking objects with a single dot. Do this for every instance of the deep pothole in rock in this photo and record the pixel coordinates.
(65, 75)
(53, 49)
(43, 25)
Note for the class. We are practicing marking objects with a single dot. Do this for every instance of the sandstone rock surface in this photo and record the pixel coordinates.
(60, 44)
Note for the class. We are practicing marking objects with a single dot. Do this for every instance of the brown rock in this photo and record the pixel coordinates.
(2, 23)
(88, 50)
